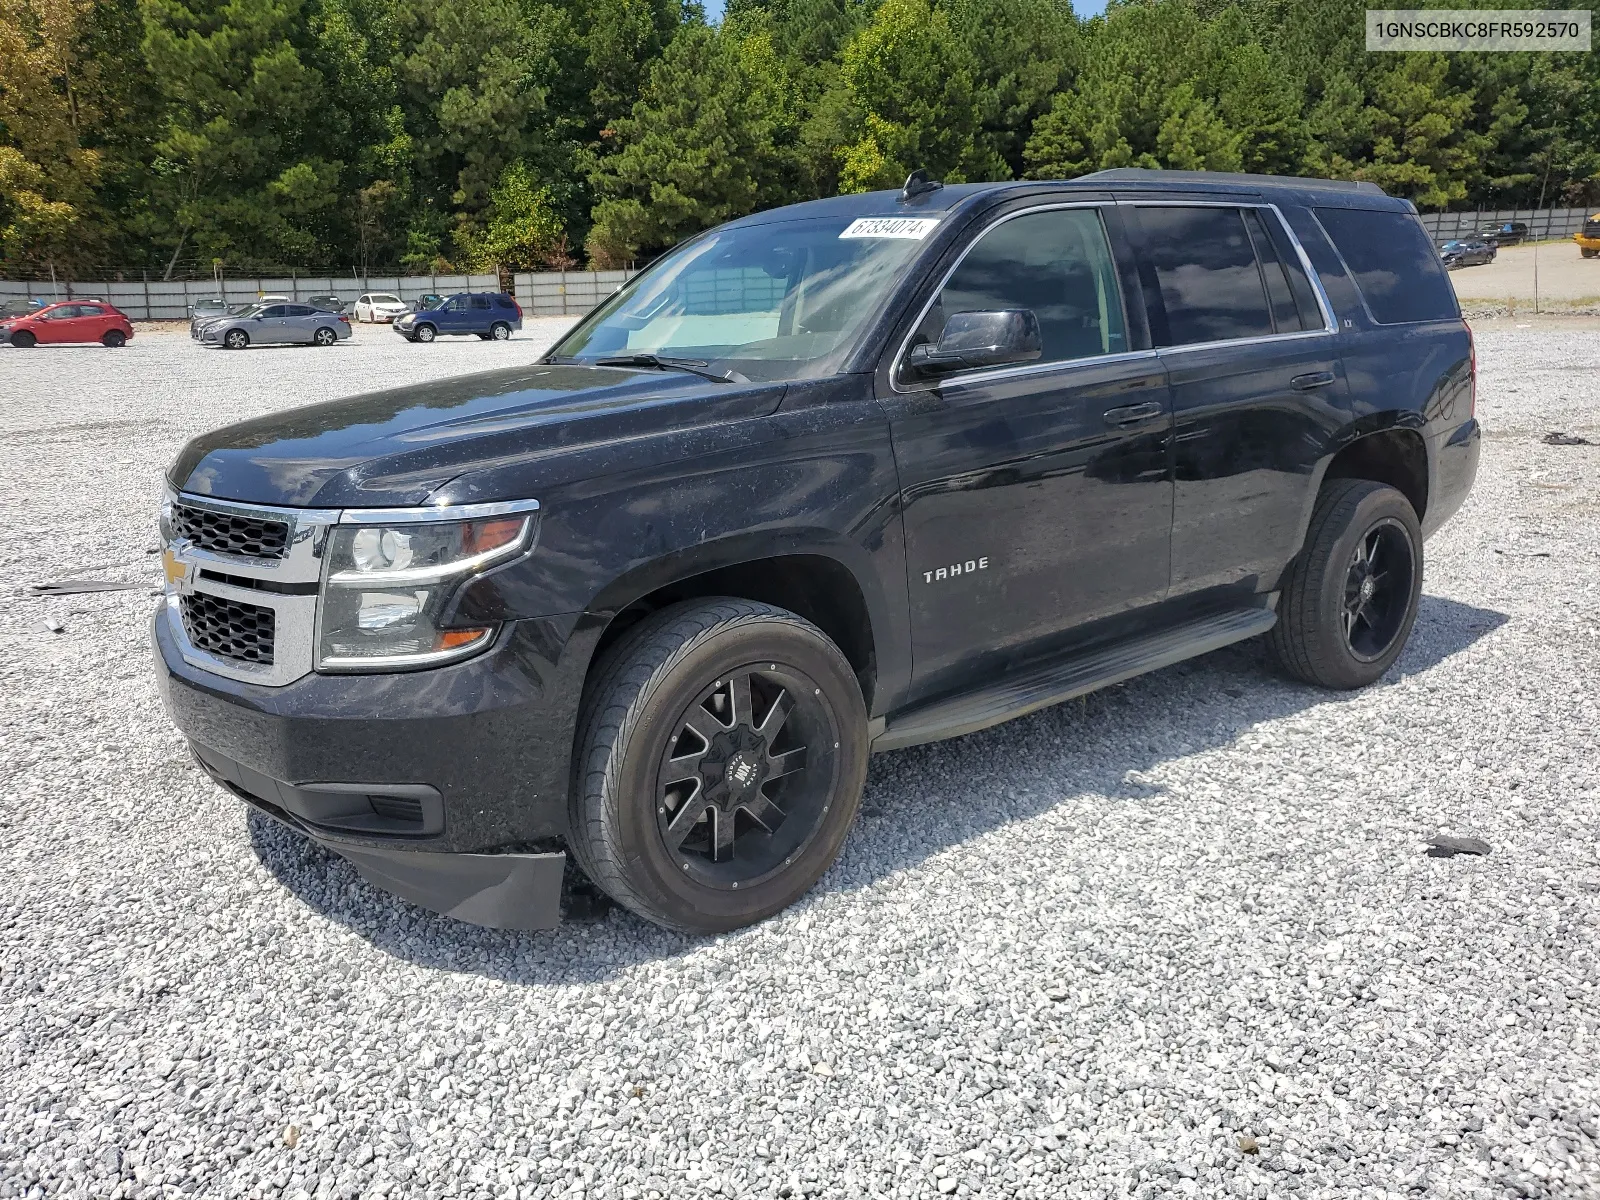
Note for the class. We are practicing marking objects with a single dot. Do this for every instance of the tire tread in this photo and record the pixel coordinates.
(614, 705)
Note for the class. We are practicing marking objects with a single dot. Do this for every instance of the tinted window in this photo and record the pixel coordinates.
(504, 301)
(1056, 264)
(300, 310)
(275, 310)
(1206, 271)
(480, 302)
(1394, 264)
(90, 310)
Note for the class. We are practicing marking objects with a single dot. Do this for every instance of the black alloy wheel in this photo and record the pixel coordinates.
(1349, 599)
(721, 755)
(324, 336)
(113, 339)
(1377, 589)
(23, 340)
(735, 802)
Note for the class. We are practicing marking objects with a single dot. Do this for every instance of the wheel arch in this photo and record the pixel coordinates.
(823, 578)
(1394, 453)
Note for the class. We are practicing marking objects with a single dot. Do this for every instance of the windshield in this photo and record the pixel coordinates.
(386, 299)
(772, 302)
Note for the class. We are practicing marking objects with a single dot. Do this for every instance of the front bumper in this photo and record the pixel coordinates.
(446, 787)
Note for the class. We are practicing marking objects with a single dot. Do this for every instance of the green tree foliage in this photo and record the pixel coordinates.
(914, 80)
(701, 146)
(384, 134)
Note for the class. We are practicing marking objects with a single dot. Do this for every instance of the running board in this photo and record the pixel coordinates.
(1051, 683)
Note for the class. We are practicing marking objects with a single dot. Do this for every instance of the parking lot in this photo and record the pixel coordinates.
(1177, 938)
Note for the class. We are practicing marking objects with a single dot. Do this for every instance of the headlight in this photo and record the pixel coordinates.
(386, 586)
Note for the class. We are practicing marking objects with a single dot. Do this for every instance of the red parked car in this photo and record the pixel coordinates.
(69, 321)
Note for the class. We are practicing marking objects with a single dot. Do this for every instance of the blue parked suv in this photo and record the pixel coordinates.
(491, 315)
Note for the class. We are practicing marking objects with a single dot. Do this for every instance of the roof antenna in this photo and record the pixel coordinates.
(918, 184)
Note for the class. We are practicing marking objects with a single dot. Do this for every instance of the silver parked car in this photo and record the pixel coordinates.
(268, 323)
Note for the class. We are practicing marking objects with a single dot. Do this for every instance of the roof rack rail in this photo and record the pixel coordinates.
(1145, 174)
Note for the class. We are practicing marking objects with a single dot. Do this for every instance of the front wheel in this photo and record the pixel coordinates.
(1350, 597)
(237, 339)
(721, 756)
(23, 340)
(324, 336)
(425, 333)
(500, 331)
(1587, 253)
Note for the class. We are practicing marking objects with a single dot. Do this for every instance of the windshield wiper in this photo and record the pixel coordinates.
(656, 362)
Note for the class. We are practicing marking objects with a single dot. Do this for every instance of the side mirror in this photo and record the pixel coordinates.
(980, 339)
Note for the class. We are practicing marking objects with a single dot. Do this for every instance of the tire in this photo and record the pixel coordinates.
(671, 673)
(1588, 253)
(324, 336)
(113, 339)
(1333, 630)
(236, 339)
(500, 331)
(425, 333)
(23, 340)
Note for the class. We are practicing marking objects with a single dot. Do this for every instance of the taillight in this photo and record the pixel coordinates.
(518, 307)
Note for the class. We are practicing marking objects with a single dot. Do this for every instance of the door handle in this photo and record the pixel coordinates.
(1132, 414)
(1311, 381)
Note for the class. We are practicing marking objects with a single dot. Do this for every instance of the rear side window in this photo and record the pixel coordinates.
(480, 302)
(1394, 264)
(1206, 271)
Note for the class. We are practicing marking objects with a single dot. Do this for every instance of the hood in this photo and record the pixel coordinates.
(397, 447)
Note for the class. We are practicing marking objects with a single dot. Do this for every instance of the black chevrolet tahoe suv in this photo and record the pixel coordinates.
(842, 477)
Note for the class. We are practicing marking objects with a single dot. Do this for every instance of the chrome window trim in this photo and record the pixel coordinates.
(1324, 305)
(1002, 372)
(297, 617)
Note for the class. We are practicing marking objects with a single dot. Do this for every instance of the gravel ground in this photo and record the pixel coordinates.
(1178, 938)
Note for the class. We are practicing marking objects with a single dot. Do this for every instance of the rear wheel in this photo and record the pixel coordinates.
(325, 336)
(1587, 253)
(500, 331)
(721, 756)
(22, 339)
(1349, 600)
(425, 333)
(237, 339)
(113, 338)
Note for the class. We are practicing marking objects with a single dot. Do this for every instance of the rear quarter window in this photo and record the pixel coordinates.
(1394, 264)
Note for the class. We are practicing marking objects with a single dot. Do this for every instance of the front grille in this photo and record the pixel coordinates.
(227, 533)
(228, 629)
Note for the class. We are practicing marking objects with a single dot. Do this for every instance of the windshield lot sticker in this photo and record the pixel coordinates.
(911, 228)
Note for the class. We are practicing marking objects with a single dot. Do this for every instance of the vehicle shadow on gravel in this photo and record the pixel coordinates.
(918, 802)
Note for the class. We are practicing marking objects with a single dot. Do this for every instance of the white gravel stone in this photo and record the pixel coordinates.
(1081, 955)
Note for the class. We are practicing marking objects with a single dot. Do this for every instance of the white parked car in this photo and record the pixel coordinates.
(380, 306)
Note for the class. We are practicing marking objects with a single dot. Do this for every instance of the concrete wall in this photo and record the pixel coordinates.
(566, 293)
